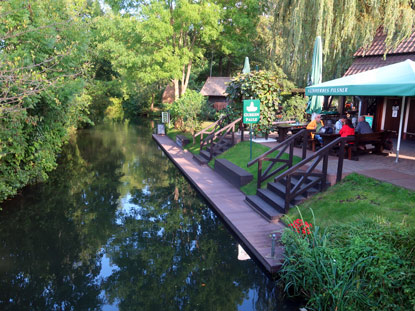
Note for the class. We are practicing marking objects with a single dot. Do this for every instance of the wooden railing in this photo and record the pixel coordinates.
(214, 126)
(287, 163)
(304, 183)
(213, 141)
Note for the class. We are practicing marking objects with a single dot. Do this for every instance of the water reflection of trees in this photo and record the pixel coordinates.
(173, 254)
(170, 251)
(51, 235)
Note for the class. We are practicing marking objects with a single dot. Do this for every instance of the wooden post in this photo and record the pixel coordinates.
(287, 193)
(305, 143)
(340, 162)
(325, 164)
(259, 174)
(291, 155)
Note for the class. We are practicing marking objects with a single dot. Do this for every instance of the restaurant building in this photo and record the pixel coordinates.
(386, 110)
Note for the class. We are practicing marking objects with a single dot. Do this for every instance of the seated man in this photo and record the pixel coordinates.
(339, 124)
(316, 124)
(363, 127)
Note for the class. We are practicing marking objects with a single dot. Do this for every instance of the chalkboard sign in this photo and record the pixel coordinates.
(161, 130)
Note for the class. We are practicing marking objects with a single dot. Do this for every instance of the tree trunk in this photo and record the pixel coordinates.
(176, 89)
(186, 82)
(220, 66)
(152, 102)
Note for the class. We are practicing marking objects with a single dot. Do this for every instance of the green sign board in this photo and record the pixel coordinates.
(251, 111)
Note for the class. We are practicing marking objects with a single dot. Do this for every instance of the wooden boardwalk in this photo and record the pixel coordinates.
(229, 202)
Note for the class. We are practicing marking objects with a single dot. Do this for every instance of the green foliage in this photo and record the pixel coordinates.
(360, 266)
(267, 86)
(238, 37)
(343, 25)
(186, 111)
(294, 109)
(115, 111)
(160, 43)
(43, 64)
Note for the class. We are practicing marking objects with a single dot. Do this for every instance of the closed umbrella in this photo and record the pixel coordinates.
(247, 68)
(316, 102)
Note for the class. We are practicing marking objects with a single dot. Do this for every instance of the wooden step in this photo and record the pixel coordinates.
(199, 159)
(263, 208)
(273, 199)
(205, 154)
(279, 189)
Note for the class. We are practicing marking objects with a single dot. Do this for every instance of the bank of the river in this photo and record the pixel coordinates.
(229, 202)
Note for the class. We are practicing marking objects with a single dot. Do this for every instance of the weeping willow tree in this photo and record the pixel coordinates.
(344, 26)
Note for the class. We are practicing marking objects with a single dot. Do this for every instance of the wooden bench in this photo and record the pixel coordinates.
(182, 140)
(377, 139)
(233, 173)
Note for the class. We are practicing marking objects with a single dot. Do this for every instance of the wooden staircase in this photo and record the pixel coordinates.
(295, 182)
(218, 140)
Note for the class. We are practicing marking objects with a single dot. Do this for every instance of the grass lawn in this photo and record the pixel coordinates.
(239, 155)
(359, 198)
(172, 133)
(355, 198)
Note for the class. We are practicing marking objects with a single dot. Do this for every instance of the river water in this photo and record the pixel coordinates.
(117, 227)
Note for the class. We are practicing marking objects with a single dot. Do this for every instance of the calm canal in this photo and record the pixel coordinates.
(117, 227)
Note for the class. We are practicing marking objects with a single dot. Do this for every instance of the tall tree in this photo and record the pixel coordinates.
(344, 25)
(239, 20)
(164, 38)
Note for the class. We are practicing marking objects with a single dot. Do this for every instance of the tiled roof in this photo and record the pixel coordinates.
(361, 64)
(378, 46)
(215, 86)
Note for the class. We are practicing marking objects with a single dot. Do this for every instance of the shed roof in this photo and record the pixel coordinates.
(215, 86)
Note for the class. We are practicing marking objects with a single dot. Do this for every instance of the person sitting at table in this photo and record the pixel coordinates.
(339, 124)
(316, 124)
(347, 129)
(363, 127)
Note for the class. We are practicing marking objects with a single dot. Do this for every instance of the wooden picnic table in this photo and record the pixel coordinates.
(283, 129)
(328, 138)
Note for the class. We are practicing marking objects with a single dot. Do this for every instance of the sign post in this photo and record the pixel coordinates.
(251, 114)
(165, 117)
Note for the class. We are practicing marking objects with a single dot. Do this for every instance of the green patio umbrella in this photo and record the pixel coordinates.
(247, 68)
(316, 102)
(393, 80)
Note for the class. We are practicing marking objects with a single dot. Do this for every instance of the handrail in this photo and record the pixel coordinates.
(212, 136)
(203, 131)
(318, 153)
(285, 142)
(291, 192)
(286, 163)
(228, 126)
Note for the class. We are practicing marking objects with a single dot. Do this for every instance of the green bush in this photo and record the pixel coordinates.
(364, 266)
(267, 86)
(294, 109)
(186, 112)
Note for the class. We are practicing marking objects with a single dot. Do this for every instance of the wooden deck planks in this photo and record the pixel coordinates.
(229, 202)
